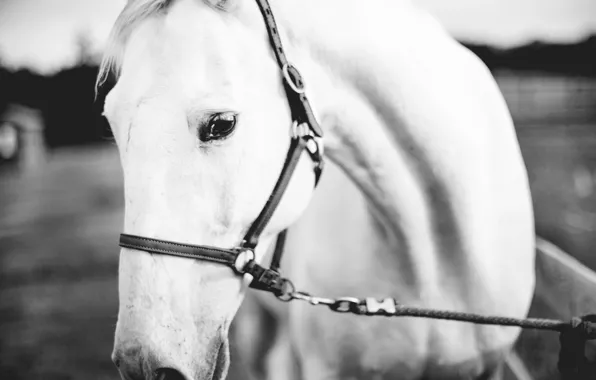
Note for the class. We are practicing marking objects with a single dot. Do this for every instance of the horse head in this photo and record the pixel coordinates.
(201, 120)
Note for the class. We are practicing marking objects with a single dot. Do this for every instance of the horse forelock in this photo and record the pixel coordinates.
(133, 13)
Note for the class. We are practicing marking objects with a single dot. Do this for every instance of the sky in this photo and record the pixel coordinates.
(41, 34)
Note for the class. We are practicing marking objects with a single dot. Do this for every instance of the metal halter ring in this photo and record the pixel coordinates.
(286, 72)
(288, 290)
(244, 257)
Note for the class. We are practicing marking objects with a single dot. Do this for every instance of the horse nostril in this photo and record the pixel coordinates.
(116, 360)
(168, 374)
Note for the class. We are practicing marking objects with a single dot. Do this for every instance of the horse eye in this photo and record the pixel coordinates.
(219, 126)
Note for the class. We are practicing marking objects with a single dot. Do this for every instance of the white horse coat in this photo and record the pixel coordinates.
(425, 198)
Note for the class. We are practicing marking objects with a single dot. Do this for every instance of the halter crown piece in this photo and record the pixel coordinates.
(306, 134)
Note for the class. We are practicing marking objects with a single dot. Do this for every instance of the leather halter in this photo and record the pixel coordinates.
(305, 134)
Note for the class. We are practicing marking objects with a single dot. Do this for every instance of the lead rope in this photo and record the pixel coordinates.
(573, 363)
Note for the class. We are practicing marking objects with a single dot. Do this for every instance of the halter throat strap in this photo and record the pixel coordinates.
(306, 134)
(306, 130)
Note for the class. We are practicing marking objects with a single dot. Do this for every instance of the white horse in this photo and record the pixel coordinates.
(426, 197)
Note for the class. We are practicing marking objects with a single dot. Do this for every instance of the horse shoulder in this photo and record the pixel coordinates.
(427, 116)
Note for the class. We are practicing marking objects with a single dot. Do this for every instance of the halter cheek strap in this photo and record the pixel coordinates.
(306, 134)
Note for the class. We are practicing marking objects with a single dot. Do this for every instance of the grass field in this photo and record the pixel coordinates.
(59, 231)
(58, 261)
(58, 272)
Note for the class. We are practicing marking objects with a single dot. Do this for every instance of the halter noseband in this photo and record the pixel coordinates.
(305, 134)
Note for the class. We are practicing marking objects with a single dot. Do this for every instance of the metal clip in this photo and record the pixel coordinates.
(302, 296)
(376, 307)
(346, 305)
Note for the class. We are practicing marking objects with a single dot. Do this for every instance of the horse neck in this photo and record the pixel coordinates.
(354, 101)
(395, 123)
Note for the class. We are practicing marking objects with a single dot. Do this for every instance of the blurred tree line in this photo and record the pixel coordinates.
(568, 59)
(67, 99)
(73, 114)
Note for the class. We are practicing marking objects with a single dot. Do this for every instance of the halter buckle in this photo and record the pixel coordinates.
(299, 130)
(299, 89)
(244, 257)
(315, 145)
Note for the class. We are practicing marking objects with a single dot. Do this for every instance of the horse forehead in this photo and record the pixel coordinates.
(196, 53)
(193, 50)
(194, 27)
(167, 57)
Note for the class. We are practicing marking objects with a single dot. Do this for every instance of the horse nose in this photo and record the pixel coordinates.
(168, 374)
(142, 363)
(133, 366)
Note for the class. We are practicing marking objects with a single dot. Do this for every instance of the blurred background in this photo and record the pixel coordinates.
(61, 198)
